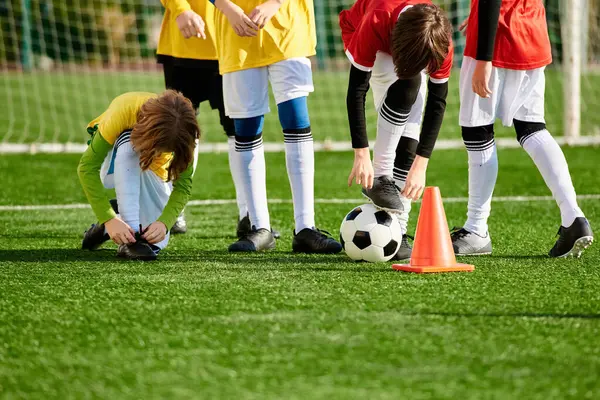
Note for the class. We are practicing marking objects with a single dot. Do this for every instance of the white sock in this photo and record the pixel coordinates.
(237, 179)
(550, 161)
(406, 203)
(390, 125)
(300, 163)
(483, 172)
(250, 162)
(128, 182)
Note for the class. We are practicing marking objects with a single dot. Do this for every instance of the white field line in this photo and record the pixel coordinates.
(196, 203)
(270, 147)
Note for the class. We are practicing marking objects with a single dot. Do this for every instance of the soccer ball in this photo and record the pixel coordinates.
(370, 234)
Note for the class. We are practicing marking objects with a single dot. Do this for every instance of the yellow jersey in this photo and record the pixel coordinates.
(172, 42)
(121, 116)
(290, 33)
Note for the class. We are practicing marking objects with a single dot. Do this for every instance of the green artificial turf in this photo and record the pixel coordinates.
(56, 107)
(201, 323)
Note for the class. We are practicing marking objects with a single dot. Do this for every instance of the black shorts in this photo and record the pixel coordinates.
(198, 80)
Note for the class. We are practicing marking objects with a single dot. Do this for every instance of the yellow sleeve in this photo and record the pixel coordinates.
(176, 6)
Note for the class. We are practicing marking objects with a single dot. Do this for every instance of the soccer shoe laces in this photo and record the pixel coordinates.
(324, 233)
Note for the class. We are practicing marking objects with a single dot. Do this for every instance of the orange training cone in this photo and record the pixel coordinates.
(432, 251)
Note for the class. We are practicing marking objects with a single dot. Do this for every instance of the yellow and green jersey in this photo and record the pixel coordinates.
(290, 33)
(121, 116)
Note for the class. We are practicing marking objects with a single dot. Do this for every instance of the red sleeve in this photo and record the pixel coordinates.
(367, 40)
(443, 74)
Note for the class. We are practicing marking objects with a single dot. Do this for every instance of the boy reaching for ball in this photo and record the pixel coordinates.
(143, 147)
(392, 45)
(502, 76)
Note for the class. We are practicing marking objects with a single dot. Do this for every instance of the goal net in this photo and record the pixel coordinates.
(62, 62)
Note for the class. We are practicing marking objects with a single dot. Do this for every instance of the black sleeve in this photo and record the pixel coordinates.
(487, 20)
(358, 86)
(435, 107)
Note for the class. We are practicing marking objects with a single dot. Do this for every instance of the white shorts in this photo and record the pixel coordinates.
(154, 192)
(246, 92)
(383, 76)
(515, 95)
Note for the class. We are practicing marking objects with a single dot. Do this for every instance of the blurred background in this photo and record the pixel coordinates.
(62, 62)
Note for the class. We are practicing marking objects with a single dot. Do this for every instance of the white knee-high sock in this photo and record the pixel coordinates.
(483, 172)
(237, 179)
(250, 161)
(390, 125)
(128, 182)
(550, 161)
(300, 163)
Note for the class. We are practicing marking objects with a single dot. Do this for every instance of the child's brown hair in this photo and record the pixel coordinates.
(166, 124)
(420, 40)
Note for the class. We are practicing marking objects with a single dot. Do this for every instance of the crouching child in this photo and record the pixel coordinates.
(143, 147)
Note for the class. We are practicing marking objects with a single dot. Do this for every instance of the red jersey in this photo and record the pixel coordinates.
(522, 41)
(367, 29)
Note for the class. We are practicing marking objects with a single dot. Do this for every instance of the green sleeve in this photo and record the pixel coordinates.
(182, 190)
(89, 176)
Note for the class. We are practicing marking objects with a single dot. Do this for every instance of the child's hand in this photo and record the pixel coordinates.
(119, 231)
(362, 169)
(463, 25)
(241, 23)
(481, 78)
(264, 12)
(191, 25)
(415, 181)
(155, 233)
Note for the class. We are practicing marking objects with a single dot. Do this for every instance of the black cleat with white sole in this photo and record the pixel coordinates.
(405, 250)
(384, 194)
(141, 250)
(255, 240)
(315, 241)
(244, 227)
(572, 241)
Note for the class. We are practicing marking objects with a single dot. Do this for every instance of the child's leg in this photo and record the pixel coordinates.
(246, 101)
(299, 159)
(391, 122)
(127, 179)
(229, 129)
(292, 82)
(405, 155)
(543, 149)
(477, 117)
(154, 195)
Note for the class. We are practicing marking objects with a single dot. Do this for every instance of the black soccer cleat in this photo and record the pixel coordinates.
(572, 241)
(256, 240)
(94, 237)
(244, 227)
(405, 250)
(384, 194)
(315, 241)
(141, 250)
